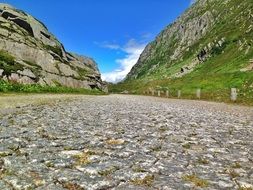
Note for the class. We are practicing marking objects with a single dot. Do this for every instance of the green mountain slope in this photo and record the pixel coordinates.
(209, 47)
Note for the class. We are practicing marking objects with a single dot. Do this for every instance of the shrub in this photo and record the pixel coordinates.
(8, 63)
(36, 88)
(56, 49)
(6, 57)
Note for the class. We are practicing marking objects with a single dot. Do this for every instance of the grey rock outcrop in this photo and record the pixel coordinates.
(38, 57)
(174, 40)
(205, 30)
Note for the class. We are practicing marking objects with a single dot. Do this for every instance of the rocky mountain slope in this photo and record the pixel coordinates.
(213, 39)
(30, 54)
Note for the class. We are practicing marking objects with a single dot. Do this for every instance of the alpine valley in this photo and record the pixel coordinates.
(209, 47)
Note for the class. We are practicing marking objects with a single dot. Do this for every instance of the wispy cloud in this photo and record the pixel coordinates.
(105, 44)
(192, 2)
(132, 49)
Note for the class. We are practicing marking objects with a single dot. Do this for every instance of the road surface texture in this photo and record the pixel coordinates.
(126, 142)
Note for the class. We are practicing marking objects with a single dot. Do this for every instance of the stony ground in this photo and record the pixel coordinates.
(126, 142)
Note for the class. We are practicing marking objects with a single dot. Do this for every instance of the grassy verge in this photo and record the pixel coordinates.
(8, 87)
(214, 87)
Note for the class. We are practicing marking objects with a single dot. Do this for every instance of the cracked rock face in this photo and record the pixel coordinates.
(39, 55)
(197, 30)
(175, 39)
(127, 142)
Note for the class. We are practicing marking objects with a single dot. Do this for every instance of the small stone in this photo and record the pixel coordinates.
(225, 184)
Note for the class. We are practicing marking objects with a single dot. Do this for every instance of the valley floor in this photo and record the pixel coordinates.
(125, 142)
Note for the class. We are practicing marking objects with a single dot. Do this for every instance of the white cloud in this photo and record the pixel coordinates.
(133, 49)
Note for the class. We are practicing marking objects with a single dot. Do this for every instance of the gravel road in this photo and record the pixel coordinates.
(126, 142)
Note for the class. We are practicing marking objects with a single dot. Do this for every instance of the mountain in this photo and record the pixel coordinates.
(210, 46)
(30, 54)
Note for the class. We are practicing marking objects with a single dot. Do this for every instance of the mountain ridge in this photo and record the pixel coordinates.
(208, 47)
(200, 24)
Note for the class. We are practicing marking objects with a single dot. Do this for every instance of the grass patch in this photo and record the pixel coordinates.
(186, 146)
(49, 164)
(139, 169)
(71, 186)
(196, 180)
(115, 141)
(245, 188)
(82, 72)
(32, 64)
(156, 148)
(6, 57)
(83, 158)
(203, 161)
(236, 165)
(56, 49)
(8, 63)
(109, 171)
(8, 87)
(146, 181)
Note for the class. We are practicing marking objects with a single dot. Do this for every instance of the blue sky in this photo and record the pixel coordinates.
(113, 32)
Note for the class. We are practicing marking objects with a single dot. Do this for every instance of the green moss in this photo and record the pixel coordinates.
(139, 169)
(9, 28)
(82, 72)
(109, 171)
(146, 181)
(83, 158)
(196, 180)
(49, 164)
(6, 57)
(4, 154)
(71, 186)
(245, 188)
(8, 63)
(203, 161)
(36, 88)
(57, 83)
(32, 64)
(236, 165)
(67, 148)
(186, 146)
(56, 49)
(156, 148)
